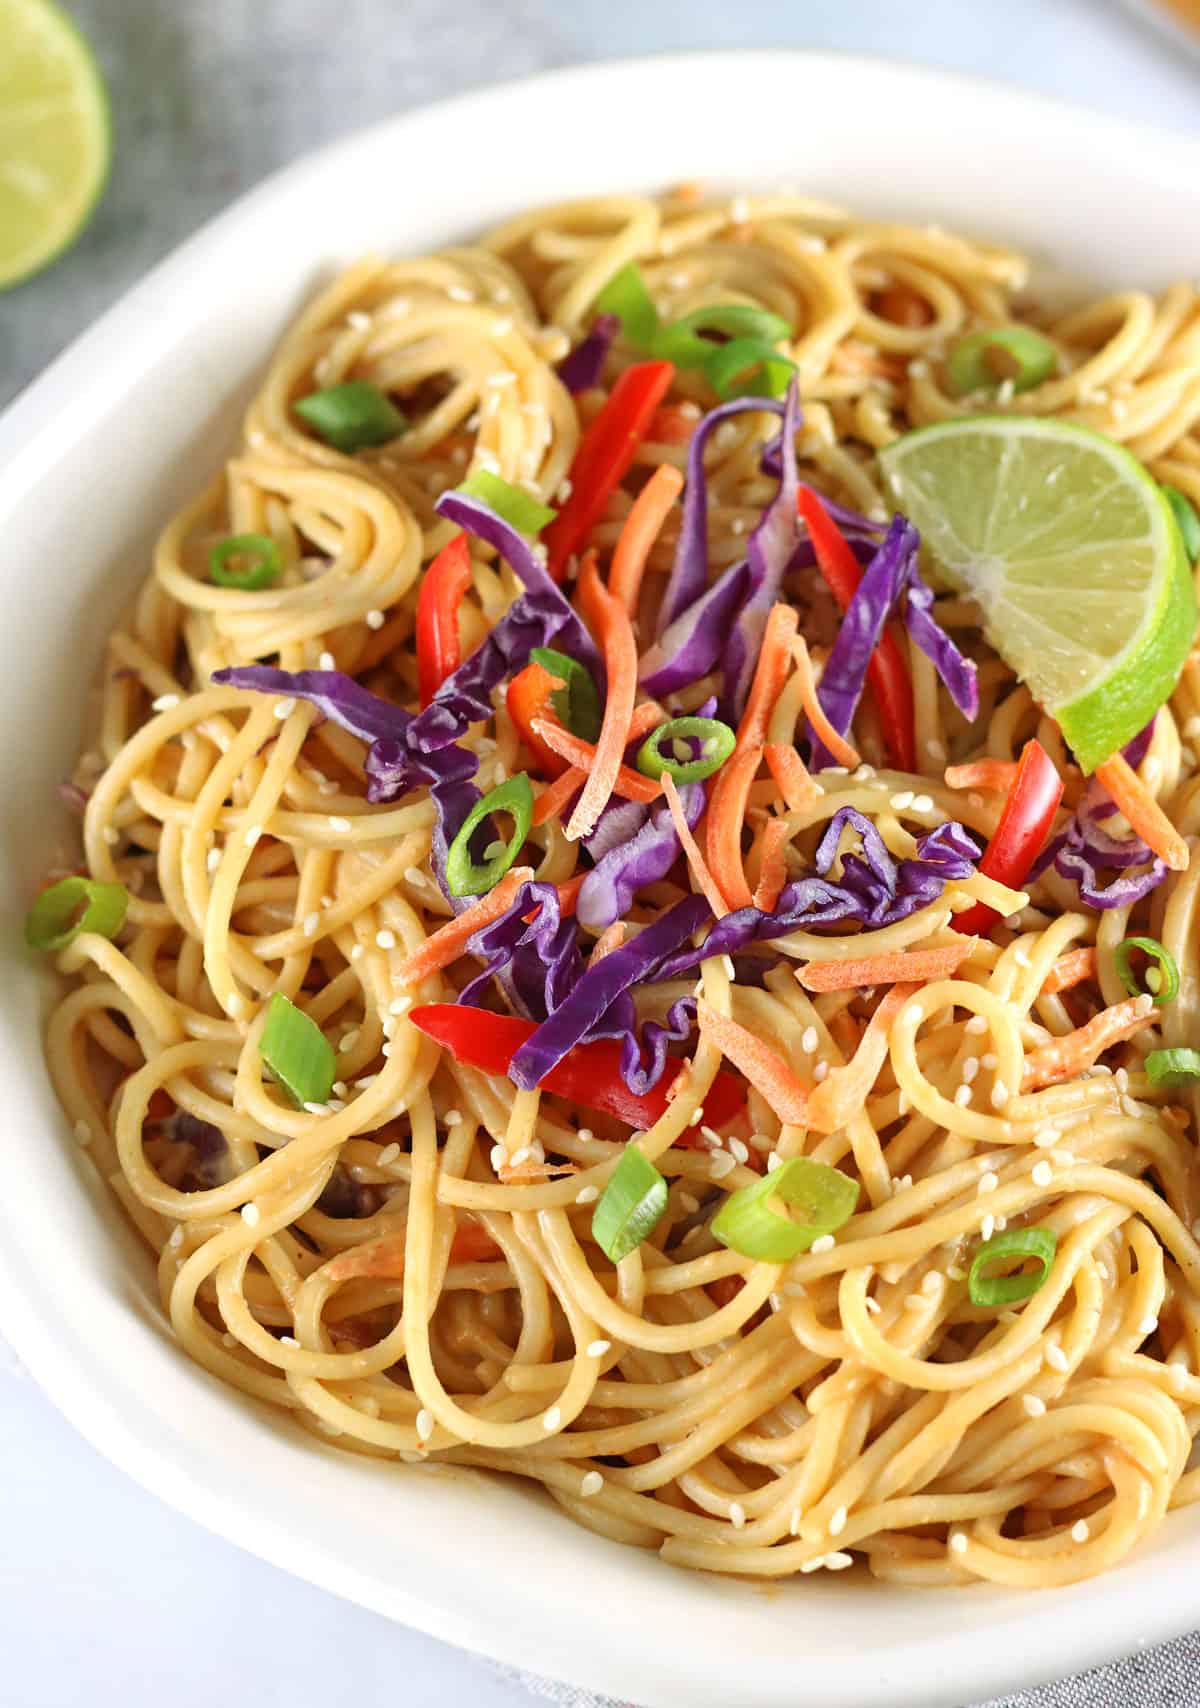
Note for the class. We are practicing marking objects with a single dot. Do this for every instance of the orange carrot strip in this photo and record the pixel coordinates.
(766, 1070)
(1146, 818)
(982, 774)
(772, 871)
(1067, 1057)
(630, 784)
(616, 635)
(915, 966)
(837, 744)
(845, 1091)
(791, 775)
(1069, 970)
(642, 527)
(448, 941)
(568, 894)
(551, 803)
(730, 788)
(691, 848)
(383, 1259)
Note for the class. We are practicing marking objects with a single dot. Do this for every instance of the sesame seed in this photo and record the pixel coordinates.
(598, 1348)
(696, 1117)
(327, 661)
(932, 1283)
(1047, 1137)
(958, 1542)
(339, 824)
(1148, 1325)
(963, 1096)
(737, 1514)
(976, 1024)
(251, 836)
(349, 1040)
(284, 708)
(385, 939)
(814, 1565)
(374, 619)
(553, 1418)
(524, 1154)
(316, 1108)
(1143, 1005)
(587, 1194)
(499, 1157)
(1080, 1531)
(1041, 1174)
(711, 1138)
(164, 703)
(1034, 1405)
(739, 1149)
(970, 1070)
(1056, 1358)
(721, 1165)
(935, 749)
(809, 1040)
(212, 859)
(821, 1071)
(176, 1238)
(901, 800)
(288, 1340)
(873, 1306)
(922, 803)
(838, 1522)
(988, 1182)
(1130, 1108)
(838, 1561)
(825, 1242)
(311, 922)
(424, 1424)
(998, 1096)
(585, 1135)
(251, 1215)
(688, 1204)
(387, 1155)
(1121, 1079)
(591, 1485)
(988, 1227)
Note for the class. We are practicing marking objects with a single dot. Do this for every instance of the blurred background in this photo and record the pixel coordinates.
(101, 1588)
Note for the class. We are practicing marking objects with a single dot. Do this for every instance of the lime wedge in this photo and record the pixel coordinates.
(1071, 552)
(54, 135)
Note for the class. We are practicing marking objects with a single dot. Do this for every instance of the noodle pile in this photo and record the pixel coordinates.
(364, 1264)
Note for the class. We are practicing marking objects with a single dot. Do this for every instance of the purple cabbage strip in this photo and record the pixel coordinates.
(209, 1147)
(643, 1061)
(609, 888)
(956, 671)
(1083, 850)
(581, 367)
(692, 645)
(587, 1004)
(769, 553)
(337, 696)
(618, 823)
(541, 955)
(689, 573)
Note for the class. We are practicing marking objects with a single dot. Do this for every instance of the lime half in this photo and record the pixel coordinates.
(54, 135)
(1073, 555)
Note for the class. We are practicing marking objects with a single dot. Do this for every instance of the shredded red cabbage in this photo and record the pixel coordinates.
(643, 1061)
(618, 823)
(609, 888)
(1083, 850)
(580, 368)
(540, 955)
(690, 648)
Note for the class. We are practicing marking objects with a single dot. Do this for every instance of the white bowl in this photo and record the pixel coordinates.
(92, 460)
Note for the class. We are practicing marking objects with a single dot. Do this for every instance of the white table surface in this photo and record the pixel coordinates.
(105, 1595)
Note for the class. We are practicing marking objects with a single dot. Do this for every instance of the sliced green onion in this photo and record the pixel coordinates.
(528, 515)
(984, 361)
(351, 416)
(1179, 1066)
(463, 876)
(689, 341)
(73, 905)
(630, 1205)
(577, 702)
(247, 561)
(719, 742)
(1162, 989)
(746, 367)
(626, 296)
(747, 1224)
(1038, 1243)
(1184, 512)
(297, 1052)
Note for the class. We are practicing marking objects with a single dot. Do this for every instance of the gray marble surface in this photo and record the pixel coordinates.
(209, 96)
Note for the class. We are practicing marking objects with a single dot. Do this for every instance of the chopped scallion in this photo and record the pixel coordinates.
(626, 296)
(717, 743)
(630, 1205)
(689, 342)
(74, 905)
(463, 876)
(1011, 1289)
(1179, 1066)
(746, 1223)
(577, 702)
(746, 367)
(297, 1052)
(351, 416)
(528, 515)
(984, 361)
(246, 561)
(1162, 989)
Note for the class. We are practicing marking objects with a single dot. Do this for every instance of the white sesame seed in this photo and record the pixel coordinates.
(284, 708)
(288, 1340)
(963, 1096)
(936, 750)
(349, 1040)
(922, 803)
(838, 1522)
(838, 1561)
(821, 1072)
(1148, 1325)
(739, 1149)
(1129, 1107)
(688, 1204)
(998, 1096)
(1080, 1531)
(339, 824)
(824, 1242)
(1056, 1358)
(1121, 1079)
(737, 1514)
(164, 703)
(1034, 1405)
(424, 1424)
(970, 1070)
(553, 1418)
(587, 1194)
(711, 1138)
(251, 1215)
(1047, 1137)
(311, 922)
(809, 1040)
(720, 1165)
(900, 800)
(385, 939)
(387, 1155)
(251, 836)
(976, 1024)
(1041, 1173)
(988, 1182)
(958, 1542)
(317, 1108)
(816, 1565)
(374, 619)
(591, 1485)
(873, 1306)
(585, 1135)
(327, 661)
(499, 1157)
(212, 859)
(932, 1283)
(452, 1118)
(598, 1348)
(988, 1227)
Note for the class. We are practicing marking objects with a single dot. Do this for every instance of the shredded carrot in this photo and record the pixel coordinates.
(383, 1259)
(607, 941)
(1146, 818)
(552, 802)
(730, 789)
(611, 619)
(766, 1070)
(915, 966)
(902, 306)
(1069, 970)
(845, 1091)
(854, 358)
(642, 527)
(535, 1171)
(772, 870)
(568, 894)
(630, 784)
(837, 744)
(1067, 1057)
(448, 942)
(791, 776)
(983, 774)
(691, 848)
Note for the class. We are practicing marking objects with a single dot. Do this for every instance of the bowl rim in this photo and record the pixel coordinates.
(35, 431)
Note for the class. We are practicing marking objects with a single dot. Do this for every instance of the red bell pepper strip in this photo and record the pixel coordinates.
(529, 696)
(887, 672)
(604, 455)
(589, 1074)
(446, 580)
(1021, 834)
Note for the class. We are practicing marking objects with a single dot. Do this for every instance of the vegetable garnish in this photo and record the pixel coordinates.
(1184, 512)
(887, 672)
(297, 1052)
(643, 525)
(1024, 825)
(644, 856)
(693, 339)
(1160, 982)
(625, 296)
(442, 587)
(352, 416)
(772, 869)
(1178, 1066)
(747, 367)
(630, 1206)
(1146, 818)
(604, 456)
(74, 905)
(844, 1092)
(447, 943)
(528, 515)
(747, 1224)
(697, 865)
(997, 774)
(1012, 1289)
(984, 361)
(717, 742)
(1067, 1057)
(798, 789)
(245, 561)
(764, 1067)
(831, 740)
(581, 368)
(1069, 970)
(913, 966)
(575, 701)
(630, 784)
(530, 697)
(464, 875)
(610, 618)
